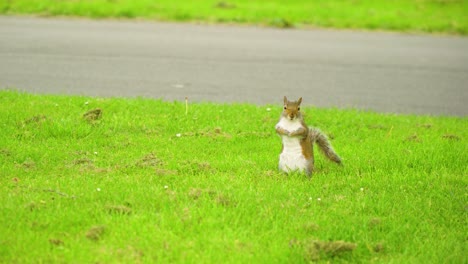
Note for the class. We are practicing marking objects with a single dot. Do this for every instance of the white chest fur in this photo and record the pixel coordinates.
(289, 125)
(291, 158)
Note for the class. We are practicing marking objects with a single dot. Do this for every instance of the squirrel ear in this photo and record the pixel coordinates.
(299, 101)
(285, 100)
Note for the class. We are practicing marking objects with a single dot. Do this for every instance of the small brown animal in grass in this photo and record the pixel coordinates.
(298, 140)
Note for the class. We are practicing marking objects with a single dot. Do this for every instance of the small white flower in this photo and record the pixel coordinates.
(98, 189)
(268, 109)
(165, 186)
(362, 189)
(178, 135)
(86, 103)
(318, 199)
(95, 152)
(310, 198)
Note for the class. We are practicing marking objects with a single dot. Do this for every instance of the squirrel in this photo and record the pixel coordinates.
(297, 153)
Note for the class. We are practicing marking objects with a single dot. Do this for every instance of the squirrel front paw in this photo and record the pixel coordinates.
(296, 134)
(282, 131)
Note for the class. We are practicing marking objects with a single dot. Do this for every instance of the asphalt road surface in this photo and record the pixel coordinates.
(385, 72)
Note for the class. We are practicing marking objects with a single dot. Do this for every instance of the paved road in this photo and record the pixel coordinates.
(386, 72)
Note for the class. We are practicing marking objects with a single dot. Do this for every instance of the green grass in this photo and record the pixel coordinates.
(147, 182)
(446, 16)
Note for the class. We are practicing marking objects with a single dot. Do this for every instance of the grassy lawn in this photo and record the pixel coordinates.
(152, 181)
(446, 16)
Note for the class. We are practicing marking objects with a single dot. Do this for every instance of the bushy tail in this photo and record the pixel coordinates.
(324, 145)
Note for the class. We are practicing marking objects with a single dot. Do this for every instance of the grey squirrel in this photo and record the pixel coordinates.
(297, 153)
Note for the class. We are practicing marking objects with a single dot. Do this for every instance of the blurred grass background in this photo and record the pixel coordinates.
(429, 16)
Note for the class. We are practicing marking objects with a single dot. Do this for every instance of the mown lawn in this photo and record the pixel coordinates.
(152, 181)
(442, 16)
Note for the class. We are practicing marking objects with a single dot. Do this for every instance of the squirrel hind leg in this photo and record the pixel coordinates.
(310, 169)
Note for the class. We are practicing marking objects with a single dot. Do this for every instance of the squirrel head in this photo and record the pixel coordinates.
(291, 110)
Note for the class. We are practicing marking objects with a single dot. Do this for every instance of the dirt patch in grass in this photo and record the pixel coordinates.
(223, 200)
(62, 194)
(150, 160)
(374, 222)
(56, 242)
(196, 167)
(281, 23)
(165, 172)
(413, 138)
(35, 205)
(5, 152)
(82, 161)
(35, 120)
(195, 193)
(316, 249)
(451, 137)
(93, 115)
(119, 209)
(427, 126)
(379, 247)
(377, 127)
(218, 198)
(95, 233)
(225, 5)
(28, 164)
(311, 227)
(131, 254)
(216, 132)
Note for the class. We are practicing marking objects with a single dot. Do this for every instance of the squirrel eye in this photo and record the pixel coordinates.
(298, 108)
(285, 108)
